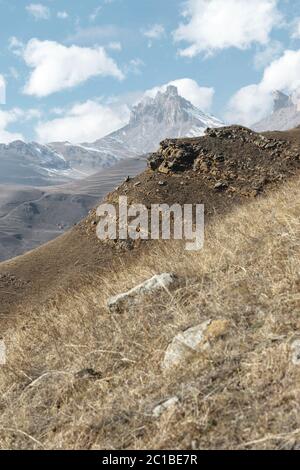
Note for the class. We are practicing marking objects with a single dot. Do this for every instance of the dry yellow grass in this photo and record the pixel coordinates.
(243, 393)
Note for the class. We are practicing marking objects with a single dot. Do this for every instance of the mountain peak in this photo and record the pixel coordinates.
(285, 115)
(155, 118)
(172, 90)
(281, 100)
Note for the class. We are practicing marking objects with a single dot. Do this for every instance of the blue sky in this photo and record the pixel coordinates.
(73, 69)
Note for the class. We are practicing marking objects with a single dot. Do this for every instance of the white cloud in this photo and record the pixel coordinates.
(156, 31)
(84, 122)
(38, 11)
(213, 25)
(62, 15)
(57, 67)
(252, 103)
(283, 73)
(2, 90)
(199, 96)
(7, 118)
(13, 116)
(249, 105)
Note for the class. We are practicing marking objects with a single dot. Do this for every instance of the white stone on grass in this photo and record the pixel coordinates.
(159, 282)
(192, 341)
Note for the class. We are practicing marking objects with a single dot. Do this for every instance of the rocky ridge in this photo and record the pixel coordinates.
(234, 159)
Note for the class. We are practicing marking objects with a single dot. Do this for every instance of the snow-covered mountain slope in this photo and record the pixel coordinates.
(87, 158)
(285, 115)
(35, 164)
(168, 115)
(32, 164)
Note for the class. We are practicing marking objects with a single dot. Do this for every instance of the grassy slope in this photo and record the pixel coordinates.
(243, 393)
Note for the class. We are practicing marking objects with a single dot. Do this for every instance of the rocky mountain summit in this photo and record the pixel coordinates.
(285, 114)
(154, 119)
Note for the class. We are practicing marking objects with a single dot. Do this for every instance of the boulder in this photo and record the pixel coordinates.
(193, 341)
(133, 296)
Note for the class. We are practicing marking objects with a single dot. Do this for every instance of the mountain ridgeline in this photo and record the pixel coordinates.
(168, 115)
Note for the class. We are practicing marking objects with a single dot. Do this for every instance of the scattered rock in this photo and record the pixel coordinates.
(221, 186)
(160, 409)
(193, 341)
(296, 352)
(88, 374)
(138, 183)
(233, 157)
(7, 280)
(156, 283)
(162, 183)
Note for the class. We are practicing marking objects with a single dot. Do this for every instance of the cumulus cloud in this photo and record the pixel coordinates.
(213, 25)
(249, 105)
(84, 122)
(199, 96)
(283, 73)
(57, 67)
(13, 116)
(38, 11)
(2, 90)
(252, 103)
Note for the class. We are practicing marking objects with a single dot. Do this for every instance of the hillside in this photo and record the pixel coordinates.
(82, 375)
(99, 381)
(225, 168)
